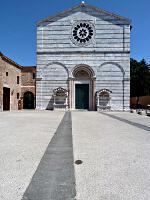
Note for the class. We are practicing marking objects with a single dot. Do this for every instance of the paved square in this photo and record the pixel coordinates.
(115, 155)
(24, 139)
(38, 150)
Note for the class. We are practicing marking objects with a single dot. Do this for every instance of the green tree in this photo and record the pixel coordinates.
(140, 78)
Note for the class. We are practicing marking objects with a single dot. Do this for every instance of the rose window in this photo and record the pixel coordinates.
(83, 32)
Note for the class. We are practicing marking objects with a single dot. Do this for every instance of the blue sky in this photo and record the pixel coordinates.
(18, 24)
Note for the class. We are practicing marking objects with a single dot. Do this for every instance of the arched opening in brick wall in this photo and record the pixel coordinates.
(28, 100)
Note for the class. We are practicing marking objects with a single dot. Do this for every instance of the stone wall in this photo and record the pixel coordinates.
(143, 100)
(28, 77)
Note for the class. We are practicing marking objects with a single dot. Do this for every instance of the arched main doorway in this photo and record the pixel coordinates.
(28, 100)
(82, 88)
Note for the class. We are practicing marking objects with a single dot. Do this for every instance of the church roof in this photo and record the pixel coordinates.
(82, 6)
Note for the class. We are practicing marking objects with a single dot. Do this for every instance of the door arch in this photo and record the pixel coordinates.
(28, 100)
(82, 87)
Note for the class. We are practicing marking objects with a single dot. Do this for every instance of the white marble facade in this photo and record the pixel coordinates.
(88, 46)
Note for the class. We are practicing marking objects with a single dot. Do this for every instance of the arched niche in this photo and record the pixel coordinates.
(110, 75)
(112, 64)
(55, 70)
(53, 75)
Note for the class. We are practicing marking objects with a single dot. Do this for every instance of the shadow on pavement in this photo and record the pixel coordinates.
(54, 178)
(141, 126)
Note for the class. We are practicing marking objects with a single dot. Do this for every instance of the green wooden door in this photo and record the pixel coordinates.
(82, 96)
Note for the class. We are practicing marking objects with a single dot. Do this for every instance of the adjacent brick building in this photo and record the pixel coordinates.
(17, 84)
(28, 87)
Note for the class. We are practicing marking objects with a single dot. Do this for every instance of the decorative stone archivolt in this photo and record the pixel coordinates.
(60, 98)
(82, 32)
(83, 71)
(82, 74)
(103, 99)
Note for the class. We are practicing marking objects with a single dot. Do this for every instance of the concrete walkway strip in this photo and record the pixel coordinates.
(141, 126)
(54, 178)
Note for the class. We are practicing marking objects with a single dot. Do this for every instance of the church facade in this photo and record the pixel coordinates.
(83, 60)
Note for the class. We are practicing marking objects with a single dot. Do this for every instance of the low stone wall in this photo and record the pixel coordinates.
(143, 100)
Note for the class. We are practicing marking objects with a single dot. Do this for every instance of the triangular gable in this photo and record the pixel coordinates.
(5, 58)
(82, 7)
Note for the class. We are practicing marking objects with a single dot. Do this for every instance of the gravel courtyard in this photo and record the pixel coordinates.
(114, 148)
(24, 137)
